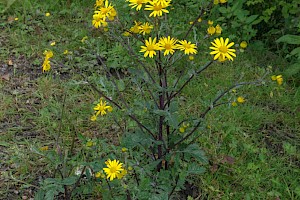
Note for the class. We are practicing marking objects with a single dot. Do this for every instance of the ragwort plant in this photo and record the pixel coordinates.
(157, 152)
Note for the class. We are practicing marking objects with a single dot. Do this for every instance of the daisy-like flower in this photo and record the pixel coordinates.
(222, 48)
(187, 47)
(98, 19)
(46, 65)
(157, 8)
(101, 108)
(106, 9)
(241, 99)
(145, 28)
(114, 168)
(150, 48)
(99, 3)
(168, 44)
(136, 27)
(137, 4)
(211, 30)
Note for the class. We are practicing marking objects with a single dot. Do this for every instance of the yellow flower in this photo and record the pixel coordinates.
(48, 54)
(191, 57)
(243, 44)
(53, 43)
(113, 14)
(66, 52)
(137, 4)
(124, 149)
(211, 30)
(222, 48)
(218, 29)
(16, 19)
(187, 47)
(234, 103)
(84, 39)
(150, 48)
(279, 79)
(46, 65)
(199, 20)
(157, 8)
(136, 27)
(99, 3)
(145, 28)
(113, 169)
(273, 78)
(44, 148)
(89, 143)
(47, 14)
(93, 118)
(127, 34)
(101, 108)
(181, 129)
(98, 19)
(130, 168)
(209, 22)
(191, 22)
(106, 9)
(241, 100)
(122, 174)
(216, 2)
(168, 44)
(223, 1)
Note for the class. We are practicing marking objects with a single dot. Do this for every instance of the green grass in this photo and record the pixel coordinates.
(253, 148)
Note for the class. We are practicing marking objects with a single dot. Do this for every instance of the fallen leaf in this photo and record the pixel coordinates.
(5, 77)
(10, 62)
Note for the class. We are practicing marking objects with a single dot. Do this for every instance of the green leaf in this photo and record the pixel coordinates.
(292, 69)
(295, 51)
(194, 169)
(121, 85)
(223, 10)
(70, 180)
(290, 39)
(195, 151)
(39, 195)
(251, 19)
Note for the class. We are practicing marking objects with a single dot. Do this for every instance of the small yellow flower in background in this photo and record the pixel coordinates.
(124, 149)
(234, 103)
(16, 19)
(241, 100)
(113, 169)
(218, 29)
(191, 23)
(183, 127)
(130, 168)
(187, 47)
(216, 2)
(84, 39)
(211, 30)
(150, 48)
(157, 7)
(93, 118)
(209, 22)
(136, 27)
(44, 148)
(52, 43)
(137, 4)
(145, 28)
(89, 143)
(191, 57)
(100, 174)
(222, 48)
(223, 1)
(99, 3)
(105, 29)
(126, 34)
(199, 20)
(47, 14)
(243, 44)
(101, 108)
(168, 44)
(66, 52)
(122, 174)
(277, 78)
(46, 65)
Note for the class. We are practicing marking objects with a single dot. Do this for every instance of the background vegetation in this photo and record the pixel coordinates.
(253, 149)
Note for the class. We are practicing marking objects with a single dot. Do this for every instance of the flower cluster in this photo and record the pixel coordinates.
(168, 45)
(158, 7)
(238, 100)
(214, 30)
(183, 127)
(103, 13)
(114, 170)
(277, 78)
(46, 64)
(221, 49)
(100, 109)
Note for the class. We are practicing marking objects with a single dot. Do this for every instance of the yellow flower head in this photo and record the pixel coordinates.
(47, 14)
(243, 44)
(210, 22)
(191, 57)
(66, 52)
(99, 3)
(234, 104)
(114, 168)
(273, 78)
(84, 39)
(48, 54)
(126, 34)
(106, 9)
(223, 1)
(157, 7)
(53, 43)
(124, 149)
(122, 174)
(137, 4)
(199, 20)
(187, 47)
(145, 28)
(98, 19)
(150, 47)
(46, 65)
(168, 44)
(136, 27)
(16, 19)
(241, 100)
(101, 108)
(216, 2)
(211, 30)
(222, 48)
(218, 29)
(44, 148)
